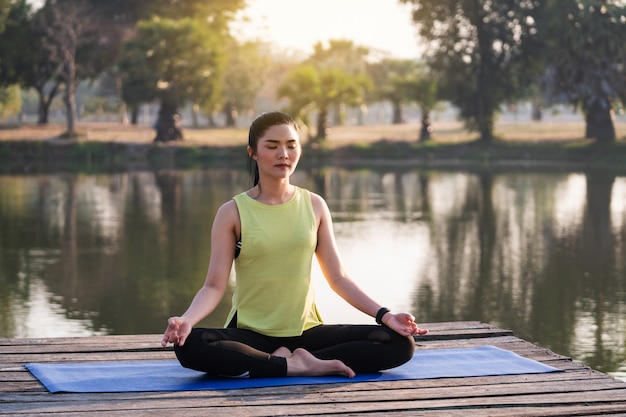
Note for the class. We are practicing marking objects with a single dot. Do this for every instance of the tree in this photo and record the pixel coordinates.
(331, 78)
(481, 50)
(124, 15)
(402, 81)
(390, 77)
(247, 66)
(586, 58)
(75, 40)
(420, 86)
(173, 61)
(344, 55)
(23, 59)
(308, 88)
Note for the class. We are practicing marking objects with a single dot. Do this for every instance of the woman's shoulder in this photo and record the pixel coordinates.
(318, 202)
(315, 197)
(228, 209)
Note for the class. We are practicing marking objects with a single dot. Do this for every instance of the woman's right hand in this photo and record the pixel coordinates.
(177, 331)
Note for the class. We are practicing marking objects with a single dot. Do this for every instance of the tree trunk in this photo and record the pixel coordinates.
(322, 125)
(134, 114)
(485, 127)
(537, 112)
(168, 124)
(599, 122)
(426, 128)
(43, 111)
(123, 107)
(211, 119)
(230, 112)
(195, 111)
(361, 115)
(45, 100)
(69, 98)
(398, 113)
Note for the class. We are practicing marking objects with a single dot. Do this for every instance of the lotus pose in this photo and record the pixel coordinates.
(274, 329)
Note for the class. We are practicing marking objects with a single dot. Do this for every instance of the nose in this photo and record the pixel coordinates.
(283, 153)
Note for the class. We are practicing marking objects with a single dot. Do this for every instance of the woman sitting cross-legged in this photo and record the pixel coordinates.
(274, 329)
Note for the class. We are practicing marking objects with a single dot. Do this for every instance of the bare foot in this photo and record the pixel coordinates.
(303, 363)
(283, 352)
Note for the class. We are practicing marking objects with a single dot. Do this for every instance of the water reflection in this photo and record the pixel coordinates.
(540, 253)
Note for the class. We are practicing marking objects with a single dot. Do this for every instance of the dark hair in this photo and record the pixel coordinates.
(258, 128)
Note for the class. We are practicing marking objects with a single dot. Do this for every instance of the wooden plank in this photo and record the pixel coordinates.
(324, 404)
(380, 391)
(540, 411)
(578, 390)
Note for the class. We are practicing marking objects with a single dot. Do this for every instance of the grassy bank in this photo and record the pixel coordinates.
(106, 147)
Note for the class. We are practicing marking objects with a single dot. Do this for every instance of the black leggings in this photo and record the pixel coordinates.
(240, 352)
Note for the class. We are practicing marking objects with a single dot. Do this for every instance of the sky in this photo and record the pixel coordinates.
(297, 25)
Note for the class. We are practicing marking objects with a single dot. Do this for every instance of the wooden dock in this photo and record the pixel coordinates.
(579, 391)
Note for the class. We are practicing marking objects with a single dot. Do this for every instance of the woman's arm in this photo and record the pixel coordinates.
(223, 238)
(339, 280)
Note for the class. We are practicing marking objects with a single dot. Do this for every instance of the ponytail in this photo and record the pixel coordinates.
(253, 169)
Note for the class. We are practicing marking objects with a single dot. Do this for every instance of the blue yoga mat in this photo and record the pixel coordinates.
(168, 375)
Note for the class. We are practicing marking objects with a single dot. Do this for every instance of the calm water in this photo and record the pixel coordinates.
(542, 254)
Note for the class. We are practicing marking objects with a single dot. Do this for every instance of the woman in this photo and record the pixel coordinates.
(274, 328)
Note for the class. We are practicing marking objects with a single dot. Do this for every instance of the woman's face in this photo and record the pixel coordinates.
(278, 151)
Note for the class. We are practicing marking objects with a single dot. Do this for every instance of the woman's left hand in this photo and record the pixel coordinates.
(403, 323)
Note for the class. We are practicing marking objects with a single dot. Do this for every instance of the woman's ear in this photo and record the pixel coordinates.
(251, 152)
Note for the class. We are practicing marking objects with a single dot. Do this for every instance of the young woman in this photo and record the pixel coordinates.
(274, 329)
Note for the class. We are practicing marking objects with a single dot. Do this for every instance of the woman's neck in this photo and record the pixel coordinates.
(272, 194)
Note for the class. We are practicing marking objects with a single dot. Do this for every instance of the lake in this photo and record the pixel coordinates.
(542, 253)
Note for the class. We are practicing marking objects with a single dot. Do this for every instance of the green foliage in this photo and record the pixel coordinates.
(246, 71)
(387, 75)
(25, 56)
(18, 45)
(10, 101)
(300, 86)
(402, 81)
(172, 60)
(340, 53)
(127, 13)
(5, 6)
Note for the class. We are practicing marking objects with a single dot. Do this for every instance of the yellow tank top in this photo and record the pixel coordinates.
(273, 291)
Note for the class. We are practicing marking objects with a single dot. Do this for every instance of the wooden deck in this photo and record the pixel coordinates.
(579, 391)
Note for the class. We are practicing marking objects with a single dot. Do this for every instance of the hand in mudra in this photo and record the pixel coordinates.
(403, 323)
(177, 331)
